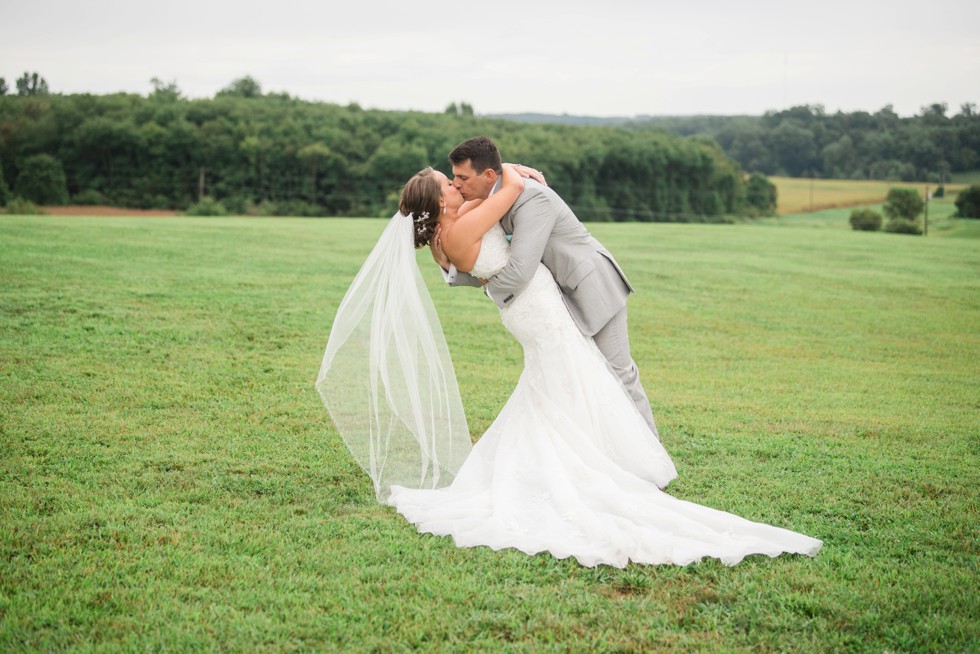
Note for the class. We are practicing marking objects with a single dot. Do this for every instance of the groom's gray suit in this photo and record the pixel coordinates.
(544, 229)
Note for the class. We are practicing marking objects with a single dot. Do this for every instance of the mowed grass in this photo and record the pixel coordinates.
(799, 194)
(169, 480)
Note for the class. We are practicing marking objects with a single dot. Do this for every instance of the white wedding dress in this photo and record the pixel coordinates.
(570, 467)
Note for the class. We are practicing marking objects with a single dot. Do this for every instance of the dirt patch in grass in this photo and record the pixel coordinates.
(103, 210)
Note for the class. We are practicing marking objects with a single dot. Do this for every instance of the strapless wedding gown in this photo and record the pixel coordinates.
(569, 466)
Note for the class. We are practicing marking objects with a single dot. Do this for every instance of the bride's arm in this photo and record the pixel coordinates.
(461, 242)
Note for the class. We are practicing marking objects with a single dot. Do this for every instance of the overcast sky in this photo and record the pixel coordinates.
(600, 58)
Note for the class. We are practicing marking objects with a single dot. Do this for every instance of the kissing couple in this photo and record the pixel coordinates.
(573, 464)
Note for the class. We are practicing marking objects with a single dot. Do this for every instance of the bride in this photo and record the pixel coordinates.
(569, 467)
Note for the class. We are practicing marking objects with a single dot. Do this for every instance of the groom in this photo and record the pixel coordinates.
(543, 229)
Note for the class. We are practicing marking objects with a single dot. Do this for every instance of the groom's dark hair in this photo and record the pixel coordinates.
(480, 152)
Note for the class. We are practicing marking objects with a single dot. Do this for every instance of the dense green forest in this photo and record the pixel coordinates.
(245, 151)
(277, 155)
(806, 141)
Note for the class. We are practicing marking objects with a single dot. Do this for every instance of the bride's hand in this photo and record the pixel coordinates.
(511, 178)
(435, 246)
(528, 172)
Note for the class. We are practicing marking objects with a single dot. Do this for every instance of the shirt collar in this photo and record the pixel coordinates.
(496, 186)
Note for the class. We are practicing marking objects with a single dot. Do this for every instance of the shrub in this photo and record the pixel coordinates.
(90, 197)
(42, 180)
(160, 201)
(866, 220)
(208, 206)
(298, 208)
(760, 195)
(968, 202)
(940, 192)
(901, 226)
(904, 203)
(235, 204)
(21, 207)
(263, 208)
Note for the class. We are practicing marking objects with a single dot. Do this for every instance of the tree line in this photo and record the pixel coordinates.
(268, 153)
(806, 141)
(245, 151)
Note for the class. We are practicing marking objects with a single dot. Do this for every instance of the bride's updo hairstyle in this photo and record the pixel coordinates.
(420, 199)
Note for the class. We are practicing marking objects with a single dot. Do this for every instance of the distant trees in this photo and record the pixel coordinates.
(3, 86)
(4, 189)
(968, 202)
(270, 153)
(32, 84)
(164, 90)
(795, 146)
(462, 109)
(42, 180)
(806, 141)
(319, 159)
(273, 154)
(244, 87)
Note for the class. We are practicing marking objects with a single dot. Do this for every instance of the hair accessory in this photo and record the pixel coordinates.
(420, 221)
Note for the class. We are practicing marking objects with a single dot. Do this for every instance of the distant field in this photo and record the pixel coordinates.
(797, 194)
(941, 220)
(972, 177)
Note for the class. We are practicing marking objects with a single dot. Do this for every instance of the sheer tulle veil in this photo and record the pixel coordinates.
(386, 376)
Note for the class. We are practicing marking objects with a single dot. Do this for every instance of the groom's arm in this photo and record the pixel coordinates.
(457, 278)
(533, 219)
(452, 276)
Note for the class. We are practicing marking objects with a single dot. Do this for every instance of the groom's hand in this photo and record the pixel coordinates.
(435, 246)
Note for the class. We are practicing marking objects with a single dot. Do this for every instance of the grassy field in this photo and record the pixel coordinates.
(798, 194)
(967, 178)
(169, 480)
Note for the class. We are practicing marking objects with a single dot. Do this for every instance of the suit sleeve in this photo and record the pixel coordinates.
(461, 279)
(533, 220)
(454, 277)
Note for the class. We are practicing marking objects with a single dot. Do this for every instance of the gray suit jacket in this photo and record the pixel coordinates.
(544, 229)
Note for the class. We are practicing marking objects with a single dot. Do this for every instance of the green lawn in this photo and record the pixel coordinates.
(169, 480)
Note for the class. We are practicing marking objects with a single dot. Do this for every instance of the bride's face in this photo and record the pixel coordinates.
(451, 197)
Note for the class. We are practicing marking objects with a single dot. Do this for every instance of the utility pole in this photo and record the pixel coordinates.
(925, 222)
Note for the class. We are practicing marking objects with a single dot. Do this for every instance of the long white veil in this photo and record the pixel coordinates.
(386, 377)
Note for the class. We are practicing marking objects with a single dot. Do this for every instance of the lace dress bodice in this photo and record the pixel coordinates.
(537, 316)
(494, 253)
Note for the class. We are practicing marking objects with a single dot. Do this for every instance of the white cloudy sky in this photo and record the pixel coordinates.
(602, 58)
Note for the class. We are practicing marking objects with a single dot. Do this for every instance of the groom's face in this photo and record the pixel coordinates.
(473, 185)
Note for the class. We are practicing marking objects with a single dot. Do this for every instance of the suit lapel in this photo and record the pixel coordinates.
(507, 222)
